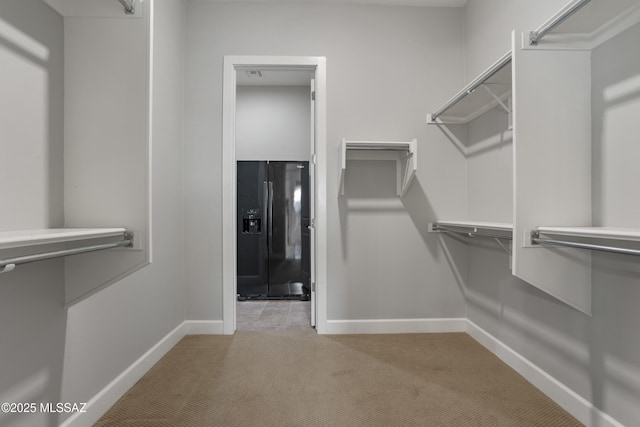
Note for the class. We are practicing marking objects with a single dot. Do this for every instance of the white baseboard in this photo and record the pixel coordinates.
(204, 327)
(396, 326)
(108, 396)
(568, 399)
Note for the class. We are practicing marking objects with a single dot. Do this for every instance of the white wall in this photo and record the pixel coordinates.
(273, 123)
(50, 354)
(384, 71)
(31, 117)
(489, 163)
(615, 349)
(597, 357)
(32, 318)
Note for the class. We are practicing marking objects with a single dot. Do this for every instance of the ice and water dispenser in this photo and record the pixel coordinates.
(251, 221)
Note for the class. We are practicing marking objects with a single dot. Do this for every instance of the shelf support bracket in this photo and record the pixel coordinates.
(497, 99)
(506, 249)
(7, 268)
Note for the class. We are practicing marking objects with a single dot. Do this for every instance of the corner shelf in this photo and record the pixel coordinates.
(488, 90)
(41, 237)
(382, 150)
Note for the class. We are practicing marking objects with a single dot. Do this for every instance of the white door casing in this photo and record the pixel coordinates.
(318, 181)
(312, 192)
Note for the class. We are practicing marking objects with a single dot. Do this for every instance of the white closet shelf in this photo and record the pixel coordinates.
(22, 238)
(399, 151)
(474, 228)
(626, 237)
(495, 230)
(488, 90)
(612, 233)
(586, 22)
(40, 237)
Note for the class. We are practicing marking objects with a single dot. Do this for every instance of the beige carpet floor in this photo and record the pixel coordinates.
(298, 378)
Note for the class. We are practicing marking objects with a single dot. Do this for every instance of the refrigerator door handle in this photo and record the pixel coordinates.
(265, 197)
(270, 210)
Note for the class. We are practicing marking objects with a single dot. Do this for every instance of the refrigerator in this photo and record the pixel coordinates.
(273, 236)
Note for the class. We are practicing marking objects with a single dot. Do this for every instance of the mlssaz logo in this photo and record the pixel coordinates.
(63, 407)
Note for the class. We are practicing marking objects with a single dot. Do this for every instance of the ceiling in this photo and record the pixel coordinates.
(421, 3)
(70, 7)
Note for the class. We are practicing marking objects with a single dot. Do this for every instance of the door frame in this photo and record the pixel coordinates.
(229, 207)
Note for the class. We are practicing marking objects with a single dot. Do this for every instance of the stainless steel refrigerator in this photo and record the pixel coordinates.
(273, 235)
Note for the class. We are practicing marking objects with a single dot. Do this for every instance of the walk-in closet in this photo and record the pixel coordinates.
(356, 212)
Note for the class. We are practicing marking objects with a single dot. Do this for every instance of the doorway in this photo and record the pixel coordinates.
(317, 174)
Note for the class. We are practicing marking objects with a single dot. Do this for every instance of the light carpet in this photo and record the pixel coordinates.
(298, 378)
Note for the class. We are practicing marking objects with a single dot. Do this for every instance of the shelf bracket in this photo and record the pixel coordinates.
(506, 249)
(497, 99)
(7, 268)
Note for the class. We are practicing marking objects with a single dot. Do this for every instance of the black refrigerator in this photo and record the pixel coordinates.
(273, 230)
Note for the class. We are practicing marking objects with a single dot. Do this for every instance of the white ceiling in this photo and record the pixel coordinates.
(66, 7)
(421, 3)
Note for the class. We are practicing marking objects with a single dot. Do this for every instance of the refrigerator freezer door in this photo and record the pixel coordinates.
(252, 244)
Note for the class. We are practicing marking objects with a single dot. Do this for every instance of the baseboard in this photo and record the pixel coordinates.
(204, 327)
(396, 326)
(108, 396)
(568, 399)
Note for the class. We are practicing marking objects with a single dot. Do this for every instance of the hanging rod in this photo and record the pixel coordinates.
(482, 78)
(535, 36)
(129, 6)
(9, 264)
(536, 239)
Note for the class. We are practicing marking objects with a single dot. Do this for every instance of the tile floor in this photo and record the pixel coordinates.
(276, 315)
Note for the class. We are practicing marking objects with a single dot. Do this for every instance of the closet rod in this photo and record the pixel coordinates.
(9, 263)
(129, 6)
(535, 239)
(482, 78)
(535, 36)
